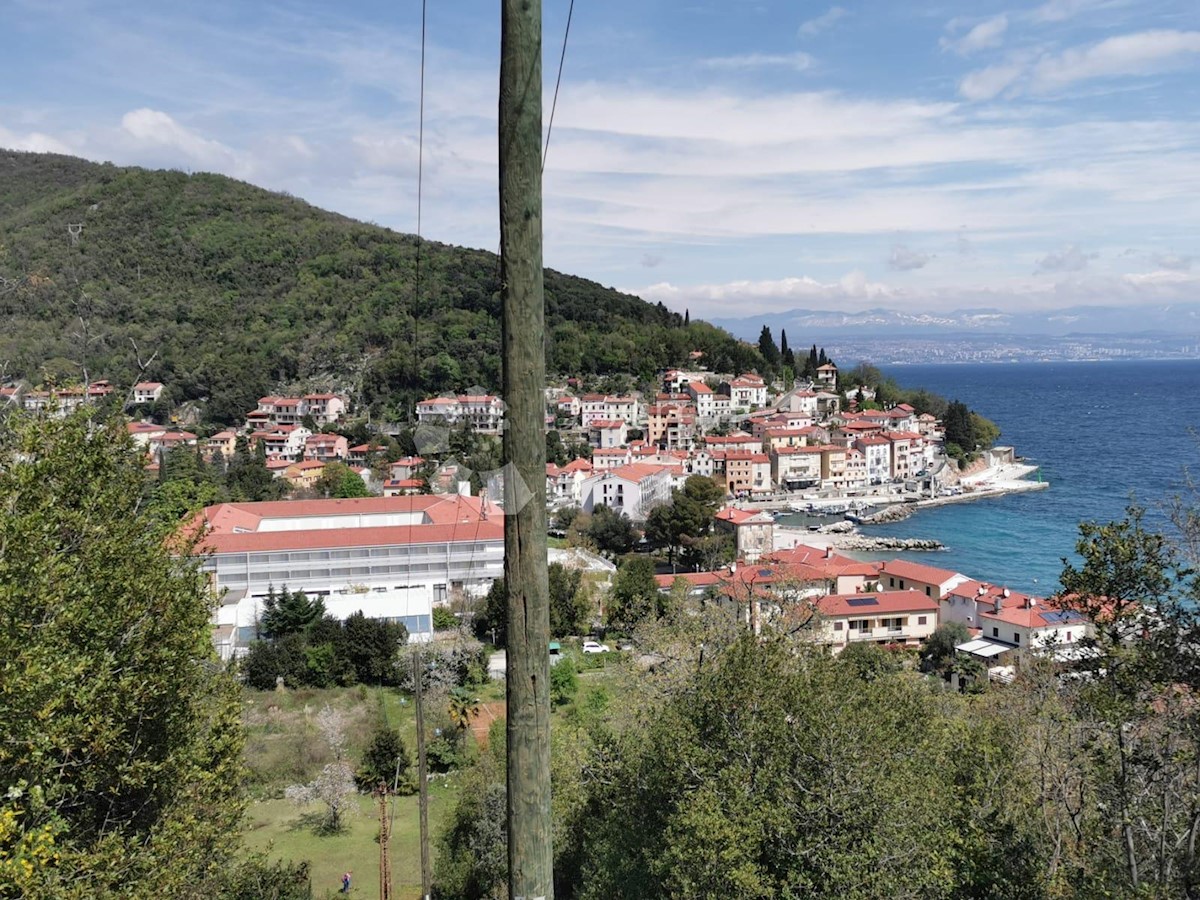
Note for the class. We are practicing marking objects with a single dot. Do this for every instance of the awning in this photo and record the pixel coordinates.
(983, 648)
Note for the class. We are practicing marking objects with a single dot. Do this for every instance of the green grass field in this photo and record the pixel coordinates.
(280, 829)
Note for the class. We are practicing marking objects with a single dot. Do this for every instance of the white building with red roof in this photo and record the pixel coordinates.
(753, 531)
(565, 482)
(905, 618)
(390, 557)
(484, 412)
(147, 391)
(747, 391)
(326, 447)
(594, 407)
(634, 489)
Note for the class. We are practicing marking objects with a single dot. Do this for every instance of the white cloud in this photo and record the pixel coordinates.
(798, 61)
(1061, 10)
(986, 83)
(988, 33)
(822, 22)
(32, 142)
(905, 259)
(1141, 53)
(1069, 259)
(855, 292)
(1129, 54)
(152, 128)
(1173, 262)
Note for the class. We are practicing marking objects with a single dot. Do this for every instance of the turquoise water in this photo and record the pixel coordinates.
(1101, 432)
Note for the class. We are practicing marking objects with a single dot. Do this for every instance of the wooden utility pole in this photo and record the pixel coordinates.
(385, 852)
(530, 857)
(422, 774)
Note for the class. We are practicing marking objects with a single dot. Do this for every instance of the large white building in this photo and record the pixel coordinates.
(390, 557)
(483, 411)
(634, 489)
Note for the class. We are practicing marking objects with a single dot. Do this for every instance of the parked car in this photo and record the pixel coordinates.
(595, 647)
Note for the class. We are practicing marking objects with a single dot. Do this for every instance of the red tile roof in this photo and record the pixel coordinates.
(876, 604)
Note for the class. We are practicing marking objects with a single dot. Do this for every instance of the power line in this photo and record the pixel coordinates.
(557, 84)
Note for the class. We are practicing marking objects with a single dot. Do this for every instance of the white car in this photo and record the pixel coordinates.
(594, 647)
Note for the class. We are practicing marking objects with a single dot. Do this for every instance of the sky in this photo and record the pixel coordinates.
(727, 157)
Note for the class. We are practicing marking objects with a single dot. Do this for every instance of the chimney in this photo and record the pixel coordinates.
(829, 552)
(997, 604)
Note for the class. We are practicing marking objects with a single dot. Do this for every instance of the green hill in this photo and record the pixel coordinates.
(241, 291)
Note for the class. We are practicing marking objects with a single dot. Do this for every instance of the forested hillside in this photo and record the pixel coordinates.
(241, 291)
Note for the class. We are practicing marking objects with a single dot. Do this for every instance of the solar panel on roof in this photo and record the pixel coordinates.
(1062, 617)
(765, 573)
(863, 601)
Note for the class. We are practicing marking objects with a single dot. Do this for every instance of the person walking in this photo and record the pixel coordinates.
(346, 883)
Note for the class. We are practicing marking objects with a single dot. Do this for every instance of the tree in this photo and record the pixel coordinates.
(564, 682)
(786, 356)
(958, 426)
(289, 613)
(491, 623)
(385, 761)
(869, 661)
(121, 748)
(766, 346)
(938, 652)
(1137, 702)
(634, 595)
(611, 532)
(338, 480)
(334, 787)
(568, 601)
(766, 746)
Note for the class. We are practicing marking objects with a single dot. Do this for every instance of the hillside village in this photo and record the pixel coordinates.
(423, 541)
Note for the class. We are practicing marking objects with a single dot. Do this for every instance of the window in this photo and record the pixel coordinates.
(439, 593)
(928, 591)
(995, 632)
(891, 581)
(922, 620)
(901, 584)
(1016, 638)
(837, 626)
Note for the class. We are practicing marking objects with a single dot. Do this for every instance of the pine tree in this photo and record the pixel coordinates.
(786, 356)
(766, 346)
(687, 318)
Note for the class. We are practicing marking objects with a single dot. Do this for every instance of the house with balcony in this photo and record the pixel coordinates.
(904, 618)
(147, 391)
(483, 412)
(325, 409)
(753, 531)
(605, 407)
(326, 447)
(796, 468)
(633, 489)
(604, 434)
(747, 391)
(670, 426)
(747, 474)
(877, 450)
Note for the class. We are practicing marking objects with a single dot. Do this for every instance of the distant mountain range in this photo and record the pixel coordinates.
(808, 325)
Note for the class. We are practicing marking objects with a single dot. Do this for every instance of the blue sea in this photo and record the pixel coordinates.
(1103, 433)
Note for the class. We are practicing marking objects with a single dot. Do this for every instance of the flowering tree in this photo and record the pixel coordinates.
(334, 786)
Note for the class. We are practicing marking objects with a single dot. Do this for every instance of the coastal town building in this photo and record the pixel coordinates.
(632, 489)
(746, 392)
(902, 618)
(753, 531)
(596, 407)
(393, 558)
(147, 391)
(483, 412)
(747, 474)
